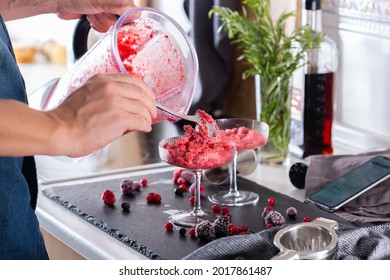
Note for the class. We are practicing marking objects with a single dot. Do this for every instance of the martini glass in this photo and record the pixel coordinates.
(203, 159)
(237, 131)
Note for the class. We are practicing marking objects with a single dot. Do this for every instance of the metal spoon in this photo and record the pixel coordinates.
(192, 118)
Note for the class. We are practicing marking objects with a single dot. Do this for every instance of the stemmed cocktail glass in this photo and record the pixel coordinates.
(196, 161)
(247, 134)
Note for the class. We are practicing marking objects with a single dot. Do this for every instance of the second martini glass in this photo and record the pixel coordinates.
(195, 160)
(247, 134)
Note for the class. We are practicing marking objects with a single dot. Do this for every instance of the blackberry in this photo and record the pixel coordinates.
(291, 212)
(221, 226)
(274, 218)
(127, 186)
(125, 206)
(205, 231)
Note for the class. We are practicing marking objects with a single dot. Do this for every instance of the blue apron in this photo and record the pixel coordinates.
(20, 236)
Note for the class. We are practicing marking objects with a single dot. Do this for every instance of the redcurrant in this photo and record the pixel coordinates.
(271, 201)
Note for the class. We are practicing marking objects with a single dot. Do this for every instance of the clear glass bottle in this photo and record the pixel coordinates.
(313, 87)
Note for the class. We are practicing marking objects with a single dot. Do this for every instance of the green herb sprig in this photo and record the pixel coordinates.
(271, 53)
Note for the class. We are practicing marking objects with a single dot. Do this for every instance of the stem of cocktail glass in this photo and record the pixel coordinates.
(197, 210)
(233, 176)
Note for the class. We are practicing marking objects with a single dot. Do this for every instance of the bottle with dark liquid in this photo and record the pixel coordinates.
(312, 97)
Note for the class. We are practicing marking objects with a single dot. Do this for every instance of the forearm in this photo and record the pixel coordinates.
(15, 9)
(24, 131)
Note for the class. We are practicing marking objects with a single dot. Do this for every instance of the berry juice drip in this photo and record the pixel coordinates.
(318, 114)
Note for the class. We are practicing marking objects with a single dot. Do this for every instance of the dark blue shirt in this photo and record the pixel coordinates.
(20, 236)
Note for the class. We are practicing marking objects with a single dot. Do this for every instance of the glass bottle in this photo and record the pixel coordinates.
(312, 97)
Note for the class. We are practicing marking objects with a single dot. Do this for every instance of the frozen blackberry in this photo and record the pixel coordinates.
(178, 191)
(125, 206)
(137, 185)
(266, 210)
(127, 186)
(205, 231)
(275, 218)
(291, 212)
(221, 226)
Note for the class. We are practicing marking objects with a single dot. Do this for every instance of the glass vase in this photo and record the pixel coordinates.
(273, 106)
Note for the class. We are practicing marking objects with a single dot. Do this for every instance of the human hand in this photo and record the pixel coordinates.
(100, 13)
(102, 110)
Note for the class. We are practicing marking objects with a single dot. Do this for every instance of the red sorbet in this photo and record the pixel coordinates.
(244, 138)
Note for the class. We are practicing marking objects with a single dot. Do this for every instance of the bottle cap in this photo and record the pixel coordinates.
(313, 5)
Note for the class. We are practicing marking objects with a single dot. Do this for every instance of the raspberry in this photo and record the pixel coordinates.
(168, 226)
(225, 210)
(243, 228)
(144, 182)
(183, 187)
(216, 209)
(182, 231)
(269, 225)
(127, 186)
(176, 174)
(157, 198)
(205, 231)
(221, 226)
(291, 212)
(192, 189)
(188, 176)
(307, 219)
(192, 232)
(271, 201)
(275, 218)
(234, 230)
(181, 181)
(125, 206)
(108, 197)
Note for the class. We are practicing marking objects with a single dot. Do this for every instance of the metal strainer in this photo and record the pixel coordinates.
(316, 240)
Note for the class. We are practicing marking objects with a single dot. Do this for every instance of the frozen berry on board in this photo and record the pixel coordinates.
(216, 209)
(271, 201)
(144, 182)
(108, 197)
(221, 226)
(205, 231)
(291, 212)
(168, 226)
(275, 218)
(125, 206)
(127, 186)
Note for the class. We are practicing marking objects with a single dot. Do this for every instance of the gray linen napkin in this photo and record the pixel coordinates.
(371, 207)
(365, 243)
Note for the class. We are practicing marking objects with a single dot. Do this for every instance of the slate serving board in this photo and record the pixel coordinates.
(143, 227)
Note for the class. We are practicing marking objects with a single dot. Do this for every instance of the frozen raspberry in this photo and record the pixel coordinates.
(221, 226)
(192, 189)
(291, 212)
(125, 206)
(307, 219)
(176, 174)
(144, 182)
(181, 181)
(188, 176)
(216, 209)
(266, 210)
(182, 231)
(271, 201)
(275, 218)
(192, 232)
(205, 231)
(224, 210)
(178, 191)
(168, 226)
(127, 186)
(108, 197)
